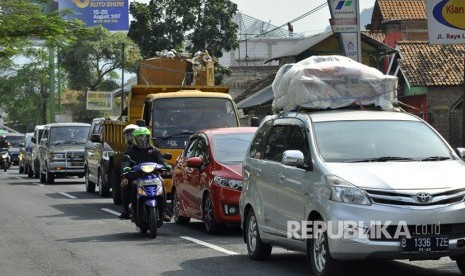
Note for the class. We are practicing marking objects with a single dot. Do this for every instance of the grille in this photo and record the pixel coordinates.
(75, 156)
(391, 198)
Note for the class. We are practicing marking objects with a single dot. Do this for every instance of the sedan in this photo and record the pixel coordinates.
(207, 178)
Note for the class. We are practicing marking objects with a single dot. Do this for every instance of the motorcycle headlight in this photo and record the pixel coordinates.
(344, 191)
(4, 155)
(229, 183)
(147, 168)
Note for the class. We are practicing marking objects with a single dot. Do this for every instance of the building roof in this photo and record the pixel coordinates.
(431, 65)
(254, 87)
(401, 9)
(378, 36)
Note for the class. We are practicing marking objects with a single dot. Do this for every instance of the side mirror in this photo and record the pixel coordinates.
(95, 138)
(460, 152)
(254, 121)
(167, 156)
(195, 162)
(33, 140)
(293, 158)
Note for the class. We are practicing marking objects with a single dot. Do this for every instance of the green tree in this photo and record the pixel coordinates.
(23, 21)
(95, 56)
(168, 24)
(24, 94)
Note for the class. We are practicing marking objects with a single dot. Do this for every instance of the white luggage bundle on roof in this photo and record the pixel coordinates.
(322, 82)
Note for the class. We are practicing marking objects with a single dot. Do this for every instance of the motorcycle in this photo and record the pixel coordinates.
(5, 159)
(148, 212)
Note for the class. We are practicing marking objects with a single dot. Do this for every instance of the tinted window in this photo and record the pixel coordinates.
(257, 145)
(276, 143)
(69, 134)
(346, 141)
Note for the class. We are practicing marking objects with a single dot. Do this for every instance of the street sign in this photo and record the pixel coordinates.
(446, 21)
(99, 100)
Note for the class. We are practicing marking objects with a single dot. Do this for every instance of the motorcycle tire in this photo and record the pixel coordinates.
(152, 222)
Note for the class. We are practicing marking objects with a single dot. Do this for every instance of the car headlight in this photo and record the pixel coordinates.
(147, 168)
(229, 183)
(344, 191)
(57, 156)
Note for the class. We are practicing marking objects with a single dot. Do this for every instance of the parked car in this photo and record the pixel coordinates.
(207, 178)
(96, 159)
(360, 175)
(15, 139)
(61, 150)
(25, 154)
(35, 163)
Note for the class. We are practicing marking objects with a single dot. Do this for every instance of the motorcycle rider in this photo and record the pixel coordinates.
(141, 151)
(4, 143)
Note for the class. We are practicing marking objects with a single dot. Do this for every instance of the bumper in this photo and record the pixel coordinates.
(396, 223)
(226, 204)
(66, 168)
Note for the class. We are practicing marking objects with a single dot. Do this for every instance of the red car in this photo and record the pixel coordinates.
(207, 178)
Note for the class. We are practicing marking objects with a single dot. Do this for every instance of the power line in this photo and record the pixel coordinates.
(292, 21)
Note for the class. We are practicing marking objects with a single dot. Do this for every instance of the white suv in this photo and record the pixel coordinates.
(353, 184)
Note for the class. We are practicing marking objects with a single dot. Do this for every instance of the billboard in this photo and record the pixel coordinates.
(446, 21)
(111, 14)
(99, 100)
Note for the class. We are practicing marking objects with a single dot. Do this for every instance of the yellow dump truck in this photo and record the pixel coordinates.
(171, 111)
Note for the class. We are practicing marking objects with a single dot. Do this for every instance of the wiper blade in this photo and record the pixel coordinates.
(382, 159)
(179, 134)
(435, 158)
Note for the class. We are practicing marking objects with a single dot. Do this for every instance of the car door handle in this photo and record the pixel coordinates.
(259, 171)
(281, 177)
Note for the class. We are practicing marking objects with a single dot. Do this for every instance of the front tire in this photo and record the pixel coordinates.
(211, 226)
(318, 256)
(49, 178)
(42, 177)
(90, 186)
(103, 190)
(255, 247)
(175, 203)
(152, 222)
(460, 261)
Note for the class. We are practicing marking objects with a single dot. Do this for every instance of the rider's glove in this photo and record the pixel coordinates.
(168, 167)
(124, 182)
(126, 170)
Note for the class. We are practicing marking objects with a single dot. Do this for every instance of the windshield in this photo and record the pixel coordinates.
(378, 141)
(183, 116)
(15, 140)
(69, 134)
(231, 148)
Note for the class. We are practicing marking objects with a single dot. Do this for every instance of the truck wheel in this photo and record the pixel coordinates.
(49, 178)
(103, 189)
(460, 260)
(42, 177)
(90, 186)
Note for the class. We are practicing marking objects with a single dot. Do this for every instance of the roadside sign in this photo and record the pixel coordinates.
(446, 21)
(111, 14)
(99, 100)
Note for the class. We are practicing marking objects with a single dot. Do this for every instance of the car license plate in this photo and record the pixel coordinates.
(424, 244)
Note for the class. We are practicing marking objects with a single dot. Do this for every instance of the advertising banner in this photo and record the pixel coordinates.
(446, 21)
(111, 14)
(99, 100)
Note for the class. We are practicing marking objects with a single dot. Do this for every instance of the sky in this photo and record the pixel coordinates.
(279, 12)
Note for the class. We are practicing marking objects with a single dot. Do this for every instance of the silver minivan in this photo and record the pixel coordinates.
(350, 185)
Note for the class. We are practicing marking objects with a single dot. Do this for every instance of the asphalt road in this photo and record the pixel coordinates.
(60, 229)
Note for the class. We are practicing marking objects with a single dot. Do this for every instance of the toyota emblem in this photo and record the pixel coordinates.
(424, 198)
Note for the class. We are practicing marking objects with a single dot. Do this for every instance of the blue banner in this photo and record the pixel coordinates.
(111, 14)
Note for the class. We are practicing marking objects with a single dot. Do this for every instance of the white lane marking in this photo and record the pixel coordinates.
(67, 195)
(209, 245)
(18, 178)
(41, 185)
(111, 211)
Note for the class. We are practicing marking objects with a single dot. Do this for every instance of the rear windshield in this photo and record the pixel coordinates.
(356, 141)
(15, 140)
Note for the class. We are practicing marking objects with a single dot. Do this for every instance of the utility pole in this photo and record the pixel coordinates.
(51, 96)
(463, 107)
(123, 97)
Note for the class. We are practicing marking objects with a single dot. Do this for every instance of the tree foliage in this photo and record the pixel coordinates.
(23, 21)
(95, 56)
(169, 24)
